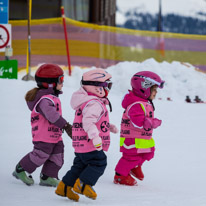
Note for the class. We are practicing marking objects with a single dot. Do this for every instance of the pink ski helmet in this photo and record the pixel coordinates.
(141, 83)
(97, 81)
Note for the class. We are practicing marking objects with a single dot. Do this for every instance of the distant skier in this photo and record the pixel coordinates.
(90, 135)
(47, 125)
(188, 100)
(138, 122)
(198, 100)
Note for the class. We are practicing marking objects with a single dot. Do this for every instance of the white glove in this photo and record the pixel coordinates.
(113, 128)
(97, 142)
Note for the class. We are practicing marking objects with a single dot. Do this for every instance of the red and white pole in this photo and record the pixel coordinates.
(66, 39)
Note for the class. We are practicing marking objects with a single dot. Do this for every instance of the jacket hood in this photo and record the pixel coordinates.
(130, 98)
(81, 96)
(39, 94)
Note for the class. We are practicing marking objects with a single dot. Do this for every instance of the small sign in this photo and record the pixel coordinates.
(8, 52)
(4, 11)
(9, 69)
(5, 36)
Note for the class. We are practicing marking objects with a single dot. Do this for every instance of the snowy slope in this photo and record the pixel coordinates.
(175, 177)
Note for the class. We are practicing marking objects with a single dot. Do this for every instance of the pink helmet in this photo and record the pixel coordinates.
(97, 81)
(142, 81)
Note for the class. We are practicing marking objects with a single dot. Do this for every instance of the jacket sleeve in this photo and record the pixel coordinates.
(48, 110)
(136, 115)
(91, 114)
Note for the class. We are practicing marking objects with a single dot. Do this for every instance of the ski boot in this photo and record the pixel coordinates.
(48, 181)
(66, 191)
(124, 180)
(137, 172)
(84, 189)
(20, 174)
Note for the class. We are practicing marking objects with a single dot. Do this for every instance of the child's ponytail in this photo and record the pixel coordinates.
(31, 94)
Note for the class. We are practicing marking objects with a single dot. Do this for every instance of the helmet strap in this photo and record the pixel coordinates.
(110, 105)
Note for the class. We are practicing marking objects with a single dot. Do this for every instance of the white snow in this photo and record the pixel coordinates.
(189, 8)
(176, 175)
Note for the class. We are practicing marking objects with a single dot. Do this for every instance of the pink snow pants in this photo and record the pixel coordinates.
(130, 161)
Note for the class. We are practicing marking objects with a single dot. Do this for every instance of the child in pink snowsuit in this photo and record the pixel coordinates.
(138, 122)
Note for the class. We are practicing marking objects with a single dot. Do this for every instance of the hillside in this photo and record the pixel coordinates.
(189, 17)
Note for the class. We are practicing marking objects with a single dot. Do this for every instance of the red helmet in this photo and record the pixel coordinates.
(49, 74)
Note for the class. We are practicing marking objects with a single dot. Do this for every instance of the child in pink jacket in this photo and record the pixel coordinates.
(138, 122)
(47, 124)
(90, 135)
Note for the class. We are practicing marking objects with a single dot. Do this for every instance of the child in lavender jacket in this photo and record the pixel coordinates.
(90, 135)
(47, 124)
(138, 122)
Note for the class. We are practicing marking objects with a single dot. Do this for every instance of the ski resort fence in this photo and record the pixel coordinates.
(102, 46)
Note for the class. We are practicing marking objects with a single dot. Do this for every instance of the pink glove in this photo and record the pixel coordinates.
(147, 123)
(97, 142)
(156, 123)
(150, 123)
(113, 129)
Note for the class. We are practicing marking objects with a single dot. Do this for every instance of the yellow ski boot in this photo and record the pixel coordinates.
(66, 191)
(84, 189)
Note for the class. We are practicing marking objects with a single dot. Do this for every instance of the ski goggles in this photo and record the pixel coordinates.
(61, 79)
(107, 84)
(150, 82)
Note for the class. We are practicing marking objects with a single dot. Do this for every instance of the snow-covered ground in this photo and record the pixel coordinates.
(175, 177)
(189, 8)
